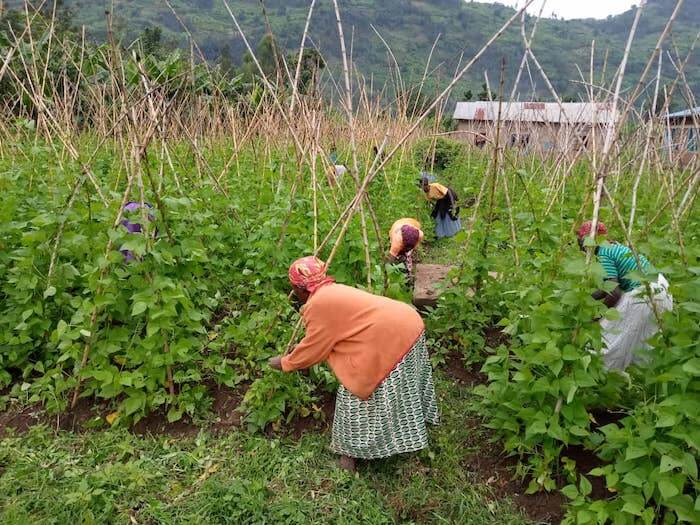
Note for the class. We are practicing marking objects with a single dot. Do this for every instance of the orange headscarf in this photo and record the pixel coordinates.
(309, 273)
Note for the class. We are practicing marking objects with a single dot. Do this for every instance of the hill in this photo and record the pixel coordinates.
(411, 27)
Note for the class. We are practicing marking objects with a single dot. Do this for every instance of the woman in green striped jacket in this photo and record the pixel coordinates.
(637, 322)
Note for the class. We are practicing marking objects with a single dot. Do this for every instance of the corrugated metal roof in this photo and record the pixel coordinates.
(685, 113)
(551, 112)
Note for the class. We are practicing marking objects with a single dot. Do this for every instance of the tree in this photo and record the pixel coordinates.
(268, 53)
(468, 95)
(483, 95)
(152, 41)
(311, 63)
(225, 62)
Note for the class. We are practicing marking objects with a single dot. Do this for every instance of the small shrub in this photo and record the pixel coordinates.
(446, 152)
(541, 390)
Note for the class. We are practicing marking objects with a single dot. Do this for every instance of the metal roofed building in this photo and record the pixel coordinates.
(683, 131)
(535, 126)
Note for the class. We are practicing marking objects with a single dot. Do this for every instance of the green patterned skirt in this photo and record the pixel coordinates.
(393, 420)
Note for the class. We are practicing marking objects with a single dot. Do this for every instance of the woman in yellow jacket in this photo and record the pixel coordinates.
(446, 210)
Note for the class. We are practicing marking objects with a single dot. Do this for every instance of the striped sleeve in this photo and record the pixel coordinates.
(627, 263)
(619, 263)
(607, 261)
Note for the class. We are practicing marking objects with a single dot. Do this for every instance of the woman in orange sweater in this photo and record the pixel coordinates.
(376, 348)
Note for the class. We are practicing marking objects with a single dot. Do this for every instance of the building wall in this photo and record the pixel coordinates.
(531, 137)
(684, 136)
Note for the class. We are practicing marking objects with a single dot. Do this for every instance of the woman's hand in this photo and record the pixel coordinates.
(609, 298)
(275, 362)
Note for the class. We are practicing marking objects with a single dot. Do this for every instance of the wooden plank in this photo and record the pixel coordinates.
(428, 277)
(430, 280)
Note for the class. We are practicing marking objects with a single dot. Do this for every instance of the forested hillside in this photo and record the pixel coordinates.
(410, 27)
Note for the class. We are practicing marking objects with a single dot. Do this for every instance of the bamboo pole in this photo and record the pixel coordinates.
(647, 142)
(607, 144)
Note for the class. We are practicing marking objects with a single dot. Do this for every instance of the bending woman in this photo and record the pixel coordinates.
(376, 348)
(445, 212)
(636, 324)
(405, 236)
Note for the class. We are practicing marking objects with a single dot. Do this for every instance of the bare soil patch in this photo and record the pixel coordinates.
(491, 466)
(469, 375)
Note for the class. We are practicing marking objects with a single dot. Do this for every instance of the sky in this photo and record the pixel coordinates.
(573, 8)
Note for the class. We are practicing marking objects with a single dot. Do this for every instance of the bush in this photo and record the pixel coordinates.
(446, 153)
(541, 390)
(653, 470)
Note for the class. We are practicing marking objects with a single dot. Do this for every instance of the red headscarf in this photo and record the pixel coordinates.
(309, 273)
(586, 227)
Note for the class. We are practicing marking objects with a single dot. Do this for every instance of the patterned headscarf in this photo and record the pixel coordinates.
(586, 227)
(410, 237)
(135, 227)
(309, 273)
(131, 207)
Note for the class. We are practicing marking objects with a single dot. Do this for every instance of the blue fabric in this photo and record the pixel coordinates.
(446, 227)
(426, 175)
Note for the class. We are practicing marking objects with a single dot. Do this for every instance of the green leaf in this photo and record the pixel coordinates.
(666, 419)
(570, 491)
(570, 353)
(633, 479)
(138, 308)
(537, 427)
(584, 517)
(174, 414)
(578, 431)
(532, 487)
(585, 485)
(634, 503)
(667, 488)
(103, 376)
(692, 366)
(575, 266)
(61, 328)
(648, 516)
(691, 307)
(690, 465)
(50, 292)
(668, 464)
(134, 403)
(634, 452)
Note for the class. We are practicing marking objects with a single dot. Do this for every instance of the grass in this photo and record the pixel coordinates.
(117, 477)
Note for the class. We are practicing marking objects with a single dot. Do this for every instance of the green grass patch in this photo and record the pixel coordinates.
(118, 477)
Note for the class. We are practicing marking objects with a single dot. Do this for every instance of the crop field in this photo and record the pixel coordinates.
(137, 389)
